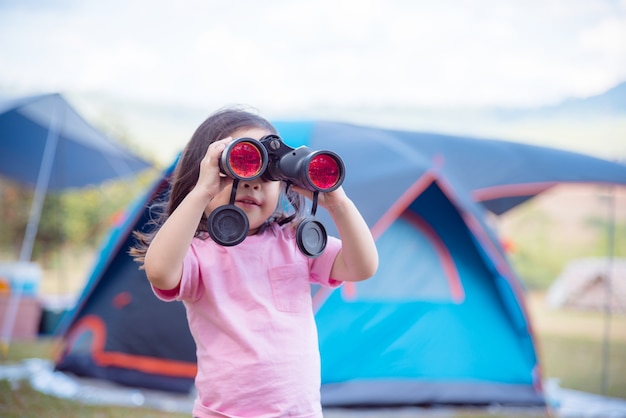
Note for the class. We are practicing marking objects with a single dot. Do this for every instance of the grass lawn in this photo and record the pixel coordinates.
(19, 400)
(24, 402)
(577, 363)
(571, 348)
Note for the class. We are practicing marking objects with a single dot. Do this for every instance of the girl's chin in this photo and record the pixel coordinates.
(253, 227)
(253, 231)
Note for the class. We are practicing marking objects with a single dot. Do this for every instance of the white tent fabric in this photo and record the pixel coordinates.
(586, 283)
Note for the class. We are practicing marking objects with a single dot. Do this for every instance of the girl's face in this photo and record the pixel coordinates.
(257, 198)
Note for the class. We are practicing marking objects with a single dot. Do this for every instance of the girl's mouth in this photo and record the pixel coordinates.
(248, 201)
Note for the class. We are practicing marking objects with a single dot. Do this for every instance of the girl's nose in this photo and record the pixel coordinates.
(254, 184)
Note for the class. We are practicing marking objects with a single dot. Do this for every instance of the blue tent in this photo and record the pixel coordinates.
(442, 322)
(45, 144)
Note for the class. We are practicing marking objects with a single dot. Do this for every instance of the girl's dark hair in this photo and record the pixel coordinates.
(219, 125)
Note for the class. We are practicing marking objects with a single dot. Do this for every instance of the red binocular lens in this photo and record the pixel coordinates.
(244, 159)
(324, 170)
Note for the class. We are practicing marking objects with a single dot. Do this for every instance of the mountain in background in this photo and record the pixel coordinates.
(610, 103)
(593, 125)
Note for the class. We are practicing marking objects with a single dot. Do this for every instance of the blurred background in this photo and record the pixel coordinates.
(147, 73)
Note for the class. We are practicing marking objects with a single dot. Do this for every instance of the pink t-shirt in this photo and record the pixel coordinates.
(250, 313)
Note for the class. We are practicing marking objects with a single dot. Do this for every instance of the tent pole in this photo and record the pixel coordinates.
(41, 188)
(609, 290)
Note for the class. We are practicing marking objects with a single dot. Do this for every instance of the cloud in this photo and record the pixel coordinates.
(297, 53)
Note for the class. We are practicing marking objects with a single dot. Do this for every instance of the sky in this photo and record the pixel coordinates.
(298, 53)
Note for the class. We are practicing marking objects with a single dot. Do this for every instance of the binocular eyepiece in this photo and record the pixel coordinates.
(271, 159)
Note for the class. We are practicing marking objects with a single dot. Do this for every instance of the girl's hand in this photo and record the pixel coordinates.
(358, 258)
(210, 180)
(328, 201)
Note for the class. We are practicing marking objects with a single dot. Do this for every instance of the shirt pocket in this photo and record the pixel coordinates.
(290, 288)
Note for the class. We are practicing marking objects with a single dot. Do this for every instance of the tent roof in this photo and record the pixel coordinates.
(500, 174)
(83, 155)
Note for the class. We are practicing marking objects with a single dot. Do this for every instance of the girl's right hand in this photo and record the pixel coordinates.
(210, 180)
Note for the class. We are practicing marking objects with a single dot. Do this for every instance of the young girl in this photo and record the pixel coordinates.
(249, 306)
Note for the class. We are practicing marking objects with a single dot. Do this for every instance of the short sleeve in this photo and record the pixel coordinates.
(189, 286)
(323, 265)
(166, 295)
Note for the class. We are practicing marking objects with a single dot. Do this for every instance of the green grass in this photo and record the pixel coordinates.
(44, 348)
(577, 363)
(21, 401)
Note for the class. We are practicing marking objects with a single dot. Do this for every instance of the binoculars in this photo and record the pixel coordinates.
(271, 159)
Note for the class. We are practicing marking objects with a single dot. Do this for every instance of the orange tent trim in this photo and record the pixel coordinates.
(97, 328)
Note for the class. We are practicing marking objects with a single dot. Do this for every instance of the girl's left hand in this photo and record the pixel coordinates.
(328, 200)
